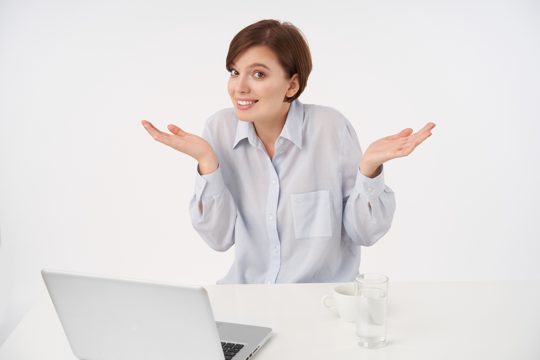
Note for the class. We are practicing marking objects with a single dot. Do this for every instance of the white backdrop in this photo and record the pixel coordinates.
(83, 187)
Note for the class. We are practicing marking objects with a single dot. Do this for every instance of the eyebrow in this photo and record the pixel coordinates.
(254, 65)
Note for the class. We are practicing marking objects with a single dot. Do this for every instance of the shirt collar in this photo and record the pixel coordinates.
(292, 130)
(293, 124)
(244, 130)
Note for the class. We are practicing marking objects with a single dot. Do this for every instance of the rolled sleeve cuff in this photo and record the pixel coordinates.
(209, 184)
(370, 187)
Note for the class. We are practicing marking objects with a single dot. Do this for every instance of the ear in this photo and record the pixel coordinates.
(294, 86)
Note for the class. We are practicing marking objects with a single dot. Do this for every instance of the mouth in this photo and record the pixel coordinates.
(245, 104)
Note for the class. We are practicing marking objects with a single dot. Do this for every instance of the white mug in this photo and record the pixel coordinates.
(342, 300)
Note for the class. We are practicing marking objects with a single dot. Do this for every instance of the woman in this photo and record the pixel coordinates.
(286, 182)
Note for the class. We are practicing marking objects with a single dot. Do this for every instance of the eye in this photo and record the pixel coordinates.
(233, 72)
(259, 74)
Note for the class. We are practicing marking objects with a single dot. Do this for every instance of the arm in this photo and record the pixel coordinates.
(368, 204)
(212, 209)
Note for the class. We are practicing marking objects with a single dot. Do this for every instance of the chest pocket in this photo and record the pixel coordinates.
(312, 216)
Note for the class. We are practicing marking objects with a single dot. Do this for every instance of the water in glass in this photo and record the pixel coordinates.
(371, 321)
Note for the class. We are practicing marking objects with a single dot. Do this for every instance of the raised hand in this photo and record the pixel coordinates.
(190, 144)
(391, 147)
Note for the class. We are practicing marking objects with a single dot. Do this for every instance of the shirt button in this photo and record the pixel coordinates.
(268, 282)
(370, 189)
(274, 182)
(270, 217)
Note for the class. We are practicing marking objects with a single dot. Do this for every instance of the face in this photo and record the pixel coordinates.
(258, 85)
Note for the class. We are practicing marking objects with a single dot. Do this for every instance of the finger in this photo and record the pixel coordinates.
(402, 133)
(176, 130)
(430, 125)
(155, 133)
(148, 125)
(418, 137)
(427, 128)
(423, 134)
(414, 140)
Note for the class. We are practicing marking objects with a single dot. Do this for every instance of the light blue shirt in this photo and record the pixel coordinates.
(298, 217)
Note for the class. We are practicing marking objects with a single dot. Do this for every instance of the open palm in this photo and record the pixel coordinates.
(394, 146)
(190, 144)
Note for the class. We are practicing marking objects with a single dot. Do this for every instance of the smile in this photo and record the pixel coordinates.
(246, 104)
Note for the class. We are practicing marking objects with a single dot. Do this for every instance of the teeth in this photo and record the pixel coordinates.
(246, 102)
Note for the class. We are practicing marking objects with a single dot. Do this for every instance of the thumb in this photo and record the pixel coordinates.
(176, 130)
(403, 133)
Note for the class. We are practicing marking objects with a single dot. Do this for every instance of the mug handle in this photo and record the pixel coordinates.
(328, 302)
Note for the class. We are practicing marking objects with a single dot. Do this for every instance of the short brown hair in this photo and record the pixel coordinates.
(284, 39)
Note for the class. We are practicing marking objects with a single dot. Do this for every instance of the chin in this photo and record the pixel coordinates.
(243, 117)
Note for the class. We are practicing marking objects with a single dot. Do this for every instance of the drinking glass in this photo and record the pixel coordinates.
(371, 297)
(371, 280)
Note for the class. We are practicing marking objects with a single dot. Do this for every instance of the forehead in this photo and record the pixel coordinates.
(257, 56)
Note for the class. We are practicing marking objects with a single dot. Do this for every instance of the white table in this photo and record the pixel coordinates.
(499, 320)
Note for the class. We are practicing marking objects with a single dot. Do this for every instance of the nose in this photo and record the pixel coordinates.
(241, 85)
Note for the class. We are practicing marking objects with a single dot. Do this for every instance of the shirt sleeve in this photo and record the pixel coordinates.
(368, 204)
(212, 207)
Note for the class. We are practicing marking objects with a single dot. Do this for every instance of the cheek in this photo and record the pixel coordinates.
(270, 90)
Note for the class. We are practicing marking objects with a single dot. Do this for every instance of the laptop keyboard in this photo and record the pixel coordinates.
(230, 349)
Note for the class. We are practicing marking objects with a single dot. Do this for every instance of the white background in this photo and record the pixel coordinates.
(83, 187)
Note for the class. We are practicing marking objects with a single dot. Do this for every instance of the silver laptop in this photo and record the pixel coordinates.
(108, 318)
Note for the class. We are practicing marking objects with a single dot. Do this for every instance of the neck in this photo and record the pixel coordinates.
(269, 130)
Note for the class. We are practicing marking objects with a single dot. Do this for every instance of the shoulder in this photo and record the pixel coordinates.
(329, 124)
(221, 119)
(326, 118)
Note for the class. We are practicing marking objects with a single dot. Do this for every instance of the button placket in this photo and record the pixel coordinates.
(271, 224)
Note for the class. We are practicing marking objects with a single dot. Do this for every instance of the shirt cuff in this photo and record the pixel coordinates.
(370, 187)
(209, 184)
